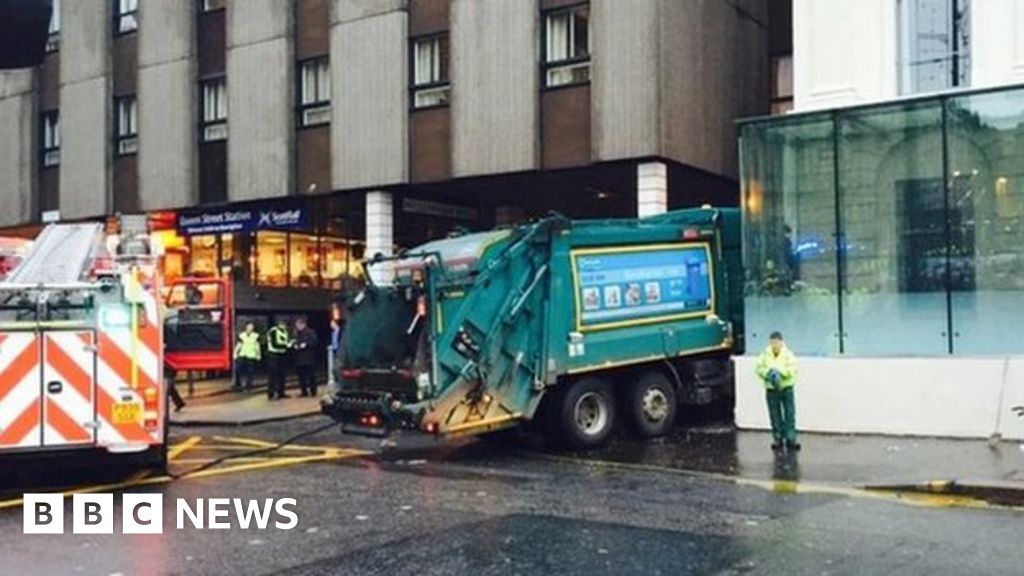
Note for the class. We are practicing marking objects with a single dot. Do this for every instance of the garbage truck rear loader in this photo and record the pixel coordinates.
(570, 324)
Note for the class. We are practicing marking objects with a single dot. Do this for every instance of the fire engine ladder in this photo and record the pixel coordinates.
(60, 255)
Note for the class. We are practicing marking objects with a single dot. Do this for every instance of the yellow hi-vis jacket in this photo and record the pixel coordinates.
(279, 341)
(784, 363)
(248, 346)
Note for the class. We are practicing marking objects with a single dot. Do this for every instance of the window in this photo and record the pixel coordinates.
(212, 5)
(888, 229)
(126, 16)
(782, 84)
(271, 262)
(215, 110)
(53, 30)
(314, 92)
(567, 46)
(49, 127)
(935, 45)
(303, 261)
(789, 202)
(126, 129)
(430, 71)
(203, 259)
(340, 260)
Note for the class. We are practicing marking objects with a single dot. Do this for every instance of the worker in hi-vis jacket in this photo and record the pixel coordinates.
(776, 367)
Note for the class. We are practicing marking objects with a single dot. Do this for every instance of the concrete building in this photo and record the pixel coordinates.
(371, 124)
(884, 219)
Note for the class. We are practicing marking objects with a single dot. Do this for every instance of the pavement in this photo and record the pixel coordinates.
(216, 403)
(471, 507)
(245, 410)
(221, 386)
(905, 465)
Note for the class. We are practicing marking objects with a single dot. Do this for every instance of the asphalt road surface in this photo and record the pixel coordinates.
(477, 508)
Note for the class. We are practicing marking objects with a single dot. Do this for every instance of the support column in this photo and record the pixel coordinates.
(651, 189)
(379, 233)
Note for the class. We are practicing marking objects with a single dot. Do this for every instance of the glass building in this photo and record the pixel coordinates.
(894, 229)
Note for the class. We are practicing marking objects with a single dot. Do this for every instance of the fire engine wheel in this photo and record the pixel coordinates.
(651, 404)
(586, 413)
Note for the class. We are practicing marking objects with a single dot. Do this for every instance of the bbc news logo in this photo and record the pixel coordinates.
(144, 514)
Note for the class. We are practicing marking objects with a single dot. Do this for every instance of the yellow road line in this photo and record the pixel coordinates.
(264, 464)
(198, 461)
(264, 444)
(177, 449)
(796, 487)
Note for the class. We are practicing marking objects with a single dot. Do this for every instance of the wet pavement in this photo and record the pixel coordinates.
(244, 409)
(473, 507)
(825, 458)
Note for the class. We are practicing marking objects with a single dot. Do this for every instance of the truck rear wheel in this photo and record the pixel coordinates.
(651, 404)
(586, 413)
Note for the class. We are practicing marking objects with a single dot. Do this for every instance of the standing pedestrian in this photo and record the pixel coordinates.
(306, 342)
(247, 356)
(333, 351)
(279, 342)
(172, 390)
(776, 367)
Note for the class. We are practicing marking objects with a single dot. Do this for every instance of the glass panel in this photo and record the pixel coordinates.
(893, 222)
(204, 256)
(340, 260)
(789, 236)
(304, 261)
(935, 44)
(271, 259)
(558, 37)
(581, 32)
(986, 167)
(195, 294)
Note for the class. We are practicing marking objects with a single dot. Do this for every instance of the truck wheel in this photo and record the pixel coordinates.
(651, 404)
(586, 413)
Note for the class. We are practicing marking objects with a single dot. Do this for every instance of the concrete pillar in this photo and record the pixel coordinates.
(370, 107)
(85, 103)
(651, 189)
(17, 124)
(167, 99)
(379, 233)
(260, 84)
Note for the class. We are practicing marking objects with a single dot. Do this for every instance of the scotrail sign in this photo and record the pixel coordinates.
(248, 218)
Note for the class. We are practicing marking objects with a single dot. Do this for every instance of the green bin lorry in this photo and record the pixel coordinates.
(568, 324)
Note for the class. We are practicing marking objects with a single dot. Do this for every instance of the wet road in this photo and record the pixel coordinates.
(476, 508)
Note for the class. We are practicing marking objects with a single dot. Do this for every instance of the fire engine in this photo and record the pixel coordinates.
(81, 346)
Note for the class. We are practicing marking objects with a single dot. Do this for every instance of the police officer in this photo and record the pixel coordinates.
(776, 367)
(247, 355)
(279, 342)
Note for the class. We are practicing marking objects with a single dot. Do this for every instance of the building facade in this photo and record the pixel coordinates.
(383, 122)
(884, 218)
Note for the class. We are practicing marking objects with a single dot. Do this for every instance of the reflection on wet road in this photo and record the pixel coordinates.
(476, 508)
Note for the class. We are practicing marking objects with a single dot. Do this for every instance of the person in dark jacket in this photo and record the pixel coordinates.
(306, 344)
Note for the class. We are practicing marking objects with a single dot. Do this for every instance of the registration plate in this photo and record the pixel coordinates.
(127, 413)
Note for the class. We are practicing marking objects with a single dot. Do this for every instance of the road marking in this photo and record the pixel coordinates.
(795, 487)
(264, 444)
(323, 454)
(177, 449)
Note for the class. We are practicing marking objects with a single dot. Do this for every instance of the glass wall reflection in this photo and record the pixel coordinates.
(915, 209)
